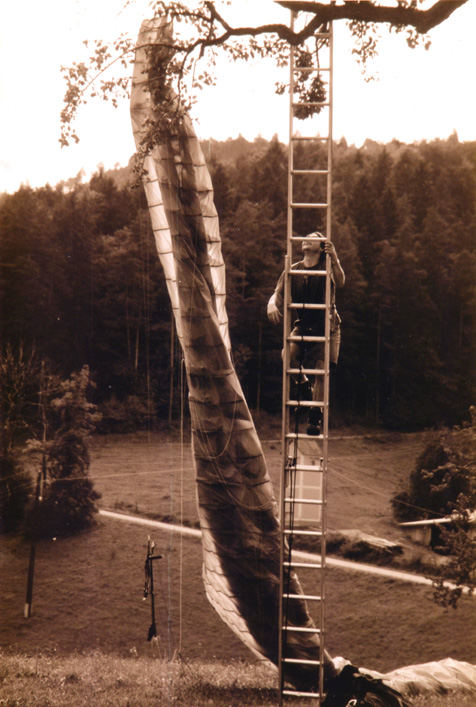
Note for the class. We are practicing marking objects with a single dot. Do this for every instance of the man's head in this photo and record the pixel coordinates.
(313, 242)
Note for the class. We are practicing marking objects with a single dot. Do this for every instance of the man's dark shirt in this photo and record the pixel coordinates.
(309, 289)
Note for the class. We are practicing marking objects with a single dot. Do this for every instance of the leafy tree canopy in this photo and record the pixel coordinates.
(202, 32)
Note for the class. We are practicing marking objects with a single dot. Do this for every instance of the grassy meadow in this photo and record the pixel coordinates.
(103, 680)
(88, 632)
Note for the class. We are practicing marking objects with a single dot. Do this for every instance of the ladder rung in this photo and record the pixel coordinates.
(300, 239)
(296, 693)
(299, 435)
(305, 403)
(307, 597)
(306, 338)
(311, 68)
(304, 501)
(311, 533)
(300, 661)
(310, 171)
(307, 467)
(323, 104)
(306, 371)
(309, 137)
(293, 271)
(304, 565)
(301, 629)
(308, 206)
(303, 305)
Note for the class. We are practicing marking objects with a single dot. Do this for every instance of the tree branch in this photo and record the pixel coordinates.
(214, 31)
(366, 11)
(360, 11)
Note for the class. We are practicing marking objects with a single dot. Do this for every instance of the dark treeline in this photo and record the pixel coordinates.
(81, 283)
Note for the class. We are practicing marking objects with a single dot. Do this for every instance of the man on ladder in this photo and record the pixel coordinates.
(310, 322)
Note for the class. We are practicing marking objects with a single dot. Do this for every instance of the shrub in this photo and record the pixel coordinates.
(128, 415)
(457, 541)
(69, 499)
(18, 398)
(15, 487)
(443, 483)
(444, 471)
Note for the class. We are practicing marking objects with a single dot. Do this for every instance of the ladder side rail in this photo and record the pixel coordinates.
(285, 480)
(324, 462)
(285, 378)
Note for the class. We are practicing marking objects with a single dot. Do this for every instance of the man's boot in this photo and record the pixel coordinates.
(301, 391)
(314, 427)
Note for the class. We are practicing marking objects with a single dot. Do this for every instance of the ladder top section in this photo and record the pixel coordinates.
(296, 5)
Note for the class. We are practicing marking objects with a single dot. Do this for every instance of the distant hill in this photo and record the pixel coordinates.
(233, 149)
(227, 151)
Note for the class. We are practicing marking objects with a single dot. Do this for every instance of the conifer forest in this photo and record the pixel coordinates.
(81, 284)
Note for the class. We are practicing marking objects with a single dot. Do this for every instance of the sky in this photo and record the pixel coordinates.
(417, 95)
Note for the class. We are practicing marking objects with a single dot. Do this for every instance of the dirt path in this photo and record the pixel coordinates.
(331, 561)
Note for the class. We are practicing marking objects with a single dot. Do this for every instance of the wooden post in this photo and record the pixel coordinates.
(27, 611)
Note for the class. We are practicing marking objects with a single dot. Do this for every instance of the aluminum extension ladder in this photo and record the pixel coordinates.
(303, 482)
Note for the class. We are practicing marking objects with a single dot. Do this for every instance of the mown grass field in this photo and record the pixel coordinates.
(88, 591)
(99, 680)
(153, 475)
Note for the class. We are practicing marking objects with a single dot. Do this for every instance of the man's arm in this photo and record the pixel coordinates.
(337, 271)
(275, 304)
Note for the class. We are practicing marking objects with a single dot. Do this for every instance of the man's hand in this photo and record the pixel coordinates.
(337, 272)
(274, 315)
(330, 250)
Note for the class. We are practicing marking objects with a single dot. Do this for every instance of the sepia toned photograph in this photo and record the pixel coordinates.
(237, 353)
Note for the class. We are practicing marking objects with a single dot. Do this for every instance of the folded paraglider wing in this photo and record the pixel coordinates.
(236, 504)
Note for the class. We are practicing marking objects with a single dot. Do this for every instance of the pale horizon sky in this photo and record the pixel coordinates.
(420, 95)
